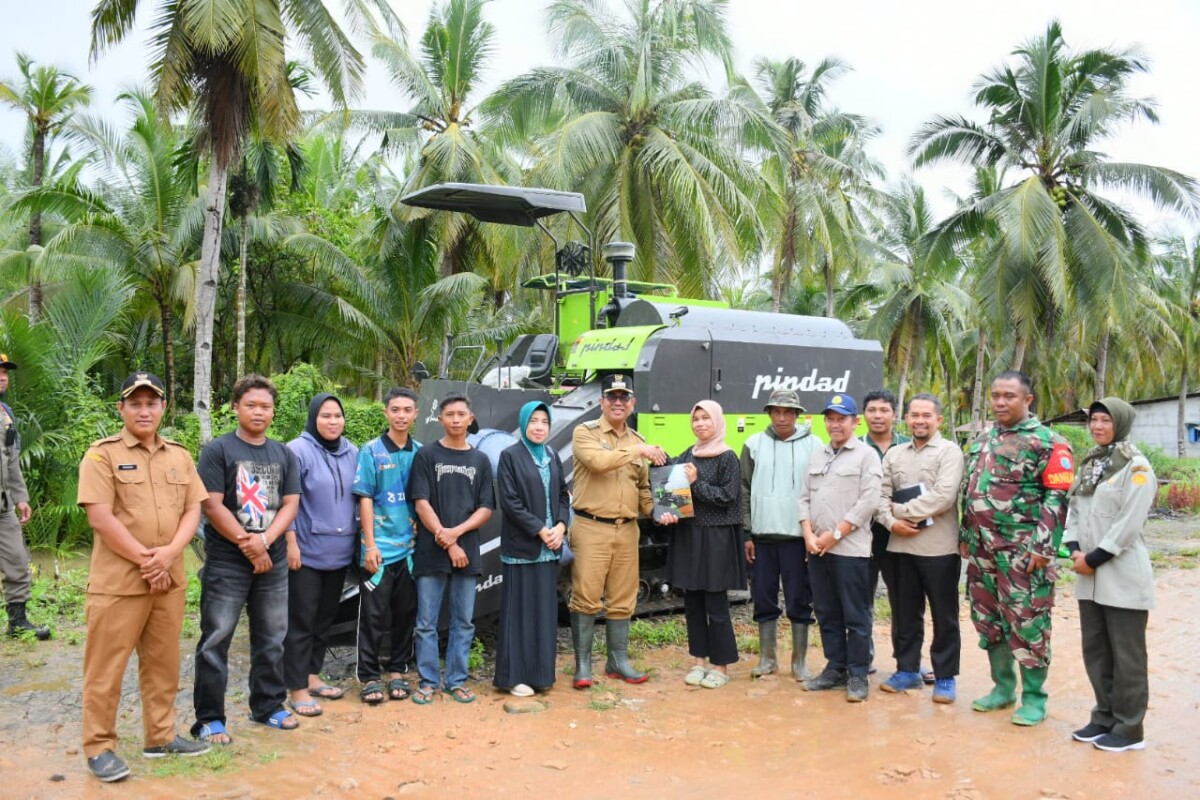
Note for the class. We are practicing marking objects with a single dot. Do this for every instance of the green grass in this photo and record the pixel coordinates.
(218, 760)
(657, 633)
(475, 657)
(883, 609)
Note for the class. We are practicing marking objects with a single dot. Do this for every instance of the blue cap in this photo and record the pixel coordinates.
(842, 404)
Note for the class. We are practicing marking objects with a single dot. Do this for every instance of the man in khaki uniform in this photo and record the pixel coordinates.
(142, 495)
(919, 506)
(14, 500)
(611, 488)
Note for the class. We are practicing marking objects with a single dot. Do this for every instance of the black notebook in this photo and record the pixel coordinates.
(907, 493)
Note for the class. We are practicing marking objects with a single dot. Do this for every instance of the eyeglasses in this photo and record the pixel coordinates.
(618, 399)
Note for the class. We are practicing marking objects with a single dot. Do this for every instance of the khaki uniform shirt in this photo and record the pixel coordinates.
(842, 486)
(611, 480)
(149, 490)
(938, 465)
(12, 482)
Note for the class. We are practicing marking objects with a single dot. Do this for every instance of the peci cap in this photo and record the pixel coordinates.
(140, 379)
(5, 363)
(616, 383)
(784, 398)
(842, 404)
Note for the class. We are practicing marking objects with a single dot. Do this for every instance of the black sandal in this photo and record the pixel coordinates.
(399, 689)
(372, 688)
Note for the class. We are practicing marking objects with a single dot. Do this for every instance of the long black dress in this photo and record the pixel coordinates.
(706, 551)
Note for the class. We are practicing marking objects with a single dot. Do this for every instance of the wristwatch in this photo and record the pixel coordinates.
(837, 535)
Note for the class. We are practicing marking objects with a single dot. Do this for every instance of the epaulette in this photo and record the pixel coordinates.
(172, 441)
(106, 440)
(638, 435)
(595, 423)
(1127, 449)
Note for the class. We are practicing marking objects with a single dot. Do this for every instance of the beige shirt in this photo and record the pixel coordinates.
(149, 491)
(938, 465)
(842, 486)
(611, 480)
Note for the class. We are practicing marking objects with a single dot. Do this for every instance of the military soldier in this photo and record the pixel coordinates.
(611, 487)
(14, 499)
(142, 496)
(1014, 507)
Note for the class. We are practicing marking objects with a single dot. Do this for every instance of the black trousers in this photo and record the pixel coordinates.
(389, 605)
(313, 596)
(1114, 654)
(842, 598)
(775, 562)
(709, 627)
(919, 579)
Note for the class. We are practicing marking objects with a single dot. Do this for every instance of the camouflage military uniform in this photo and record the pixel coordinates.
(1014, 504)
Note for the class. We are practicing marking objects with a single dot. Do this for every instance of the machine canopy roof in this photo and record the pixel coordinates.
(508, 205)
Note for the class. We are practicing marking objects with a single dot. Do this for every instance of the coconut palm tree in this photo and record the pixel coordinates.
(655, 152)
(49, 98)
(819, 174)
(1179, 270)
(913, 290)
(1058, 238)
(226, 60)
(145, 222)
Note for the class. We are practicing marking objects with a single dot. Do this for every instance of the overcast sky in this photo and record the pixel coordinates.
(910, 61)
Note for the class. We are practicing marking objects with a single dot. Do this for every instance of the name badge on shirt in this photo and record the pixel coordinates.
(124, 467)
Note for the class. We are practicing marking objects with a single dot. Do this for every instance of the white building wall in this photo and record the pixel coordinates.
(1156, 424)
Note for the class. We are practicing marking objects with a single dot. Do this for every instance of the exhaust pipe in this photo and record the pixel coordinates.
(618, 255)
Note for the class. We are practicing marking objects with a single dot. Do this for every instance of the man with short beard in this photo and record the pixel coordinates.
(919, 507)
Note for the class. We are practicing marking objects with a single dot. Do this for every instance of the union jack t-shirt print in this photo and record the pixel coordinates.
(257, 494)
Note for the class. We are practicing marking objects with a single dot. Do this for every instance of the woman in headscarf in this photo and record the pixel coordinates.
(319, 550)
(704, 557)
(1113, 492)
(536, 509)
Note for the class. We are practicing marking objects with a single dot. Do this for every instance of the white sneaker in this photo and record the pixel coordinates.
(521, 690)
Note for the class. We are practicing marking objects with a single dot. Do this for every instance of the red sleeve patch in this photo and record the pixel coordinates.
(1060, 469)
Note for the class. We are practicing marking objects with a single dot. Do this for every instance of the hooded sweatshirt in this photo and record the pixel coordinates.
(325, 528)
(772, 477)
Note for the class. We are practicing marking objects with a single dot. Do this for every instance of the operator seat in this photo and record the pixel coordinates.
(535, 351)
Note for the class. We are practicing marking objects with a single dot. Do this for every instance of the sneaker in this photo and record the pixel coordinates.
(108, 767)
(856, 689)
(928, 676)
(1116, 743)
(944, 690)
(902, 682)
(1090, 732)
(177, 747)
(828, 679)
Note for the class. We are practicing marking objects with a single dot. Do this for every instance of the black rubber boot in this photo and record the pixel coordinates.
(616, 633)
(18, 623)
(583, 631)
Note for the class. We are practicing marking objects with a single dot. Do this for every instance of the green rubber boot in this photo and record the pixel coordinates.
(1033, 697)
(616, 636)
(1004, 676)
(583, 632)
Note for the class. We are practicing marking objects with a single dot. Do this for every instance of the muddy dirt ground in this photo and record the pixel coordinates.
(658, 740)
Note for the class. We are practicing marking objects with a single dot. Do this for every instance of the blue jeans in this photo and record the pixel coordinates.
(228, 584)
(431, 590)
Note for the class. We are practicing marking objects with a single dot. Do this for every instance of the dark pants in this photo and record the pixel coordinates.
(775, 562)
(883, 565)
(710, 630)
(389, 605)
(917, 579)
(228, 584)
(842, 600)
(313, 596)
(1114, 654)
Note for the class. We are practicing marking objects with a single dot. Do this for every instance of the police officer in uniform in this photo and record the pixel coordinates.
(611, 488)
(14, 500)
(142, 496)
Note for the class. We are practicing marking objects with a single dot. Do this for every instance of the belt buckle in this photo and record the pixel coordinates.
(619, 521)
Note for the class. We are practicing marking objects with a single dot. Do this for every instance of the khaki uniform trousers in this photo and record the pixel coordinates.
(14, 559)
(116, 626)
(605, 569)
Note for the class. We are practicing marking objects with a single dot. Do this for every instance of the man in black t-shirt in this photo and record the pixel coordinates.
(453, 495)
(253, 493)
